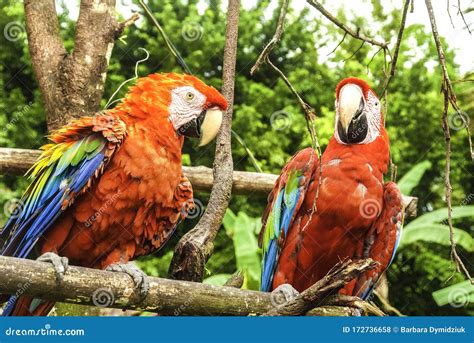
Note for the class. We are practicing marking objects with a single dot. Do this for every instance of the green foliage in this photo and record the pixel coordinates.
(413, 177)
(242, 228)
(442, 214)
(436, 233)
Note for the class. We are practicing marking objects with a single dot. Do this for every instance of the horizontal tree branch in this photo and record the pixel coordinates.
(111, 289)
(18, 161)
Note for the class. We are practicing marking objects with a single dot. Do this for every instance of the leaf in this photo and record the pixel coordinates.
(457, 295)
(241, 228)
(436, 233)
(438, 216)
(412, 178)
(217, 279)
(228, 221)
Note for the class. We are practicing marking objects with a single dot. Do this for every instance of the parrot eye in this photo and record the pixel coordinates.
(189, 96)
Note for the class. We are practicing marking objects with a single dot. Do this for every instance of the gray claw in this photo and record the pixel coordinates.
(140, 279)
(60, 264)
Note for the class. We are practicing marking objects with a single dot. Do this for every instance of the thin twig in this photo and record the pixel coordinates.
(449, 14)
(338, 44)
(372, 59)
(355, 34)
(462, 16)
(248, 151)
(310, 117)
(355, 52)
(168, 42)
(275, 39)
(393, 62)
(449, 97)
(309, 112)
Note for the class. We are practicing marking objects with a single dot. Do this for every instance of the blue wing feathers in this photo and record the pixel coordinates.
(283, 211)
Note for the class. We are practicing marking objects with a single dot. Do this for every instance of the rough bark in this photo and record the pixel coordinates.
(116, 290)
(196, 246)
(47, 53)
(72, 84)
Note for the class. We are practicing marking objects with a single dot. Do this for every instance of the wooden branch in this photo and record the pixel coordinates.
(107, 289)
(196, 246)
(18, 161)
(355, 34)
(336, 278)
(72, 85)
(449, 97)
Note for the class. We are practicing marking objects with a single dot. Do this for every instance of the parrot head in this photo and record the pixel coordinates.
(186, 104)
(358, 112)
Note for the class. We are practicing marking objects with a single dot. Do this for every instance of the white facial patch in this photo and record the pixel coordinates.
(186, 104)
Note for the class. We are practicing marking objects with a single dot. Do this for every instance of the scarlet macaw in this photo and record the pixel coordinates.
(110, 188)
(355, 214)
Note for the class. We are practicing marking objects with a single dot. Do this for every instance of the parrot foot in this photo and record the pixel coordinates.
(283, 294)
(140, 279)
(60, 264)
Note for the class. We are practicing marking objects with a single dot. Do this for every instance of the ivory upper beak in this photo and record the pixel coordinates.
(350, 97)
(210, 126)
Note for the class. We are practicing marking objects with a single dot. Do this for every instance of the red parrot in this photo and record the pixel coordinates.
(110, 187)
(355, 214)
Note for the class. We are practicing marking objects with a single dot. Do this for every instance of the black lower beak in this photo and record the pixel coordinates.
(193, 127)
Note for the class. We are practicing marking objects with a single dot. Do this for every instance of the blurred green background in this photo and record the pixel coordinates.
(269, 119)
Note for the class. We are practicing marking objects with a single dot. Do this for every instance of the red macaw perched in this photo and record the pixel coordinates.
(110, 188)
(355, 215)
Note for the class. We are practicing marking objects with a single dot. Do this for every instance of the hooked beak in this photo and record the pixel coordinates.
(205, 126)
(352, 126)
